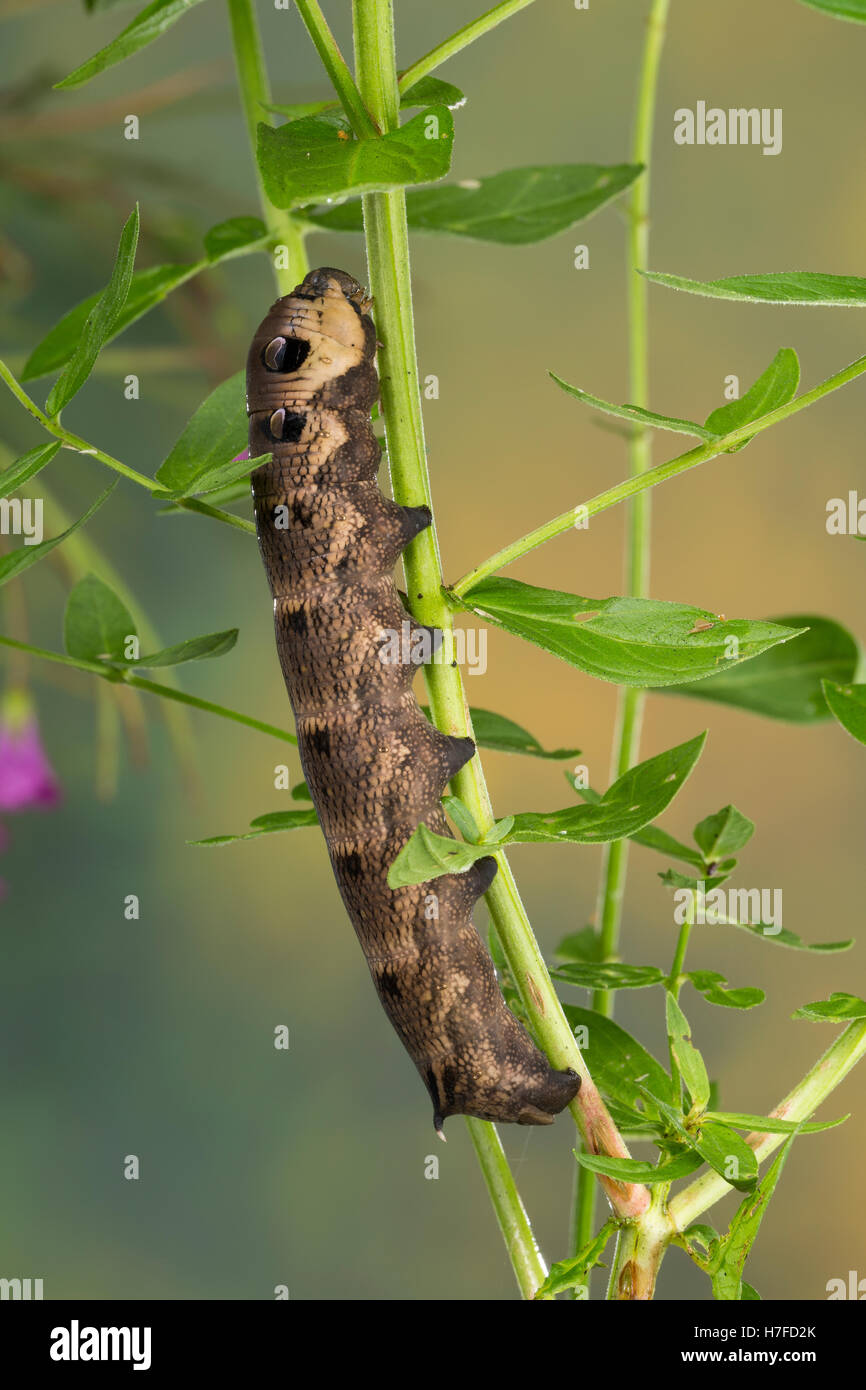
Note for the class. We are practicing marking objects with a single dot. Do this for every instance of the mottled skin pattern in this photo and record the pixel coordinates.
(374, 764)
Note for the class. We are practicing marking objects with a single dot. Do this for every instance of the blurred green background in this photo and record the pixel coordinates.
(154, 1037)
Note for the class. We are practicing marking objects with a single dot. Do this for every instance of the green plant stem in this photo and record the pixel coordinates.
(119, 677)
(631, 700)
(800, 1104)
(468, 34)
(255, 94)
(337, 69)
(630, 487)
(388, 258)
(526, 1259)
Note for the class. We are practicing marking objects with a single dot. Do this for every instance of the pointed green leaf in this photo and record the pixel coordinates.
(217, 431)
(651, 837)
(616, 1060)
(153, 21)
(27, 466)
(839, 1008)
(96, 624)
(848, 704)
(713, 987)
(496, 732)
(235, 237)
(317, 158)
(216, 477)
(631, 641)
(724, 833)
(637, 414)
(853, 10)
(732, 1253)
(431, 91)
(720, 1146)
(768, 1124)
(193, 649)
(514, 208)
(782, 287)
(632, 1170)
(462, 817)
(785, 682)
(264, 825)
(608, 975)
(688, 1059)
(774, 387)
(571, 1274)
(26, 555)
(100, 324)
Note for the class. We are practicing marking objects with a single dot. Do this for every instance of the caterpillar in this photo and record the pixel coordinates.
(374, 764)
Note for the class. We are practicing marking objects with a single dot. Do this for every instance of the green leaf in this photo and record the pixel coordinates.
(300, 792)
(235, 237)
(839, 1008)
(616, 1059)
(713, 987)
(768, 1124)
(496, 732)
(462, 817)
(779, 287)
(637, 414)
(148, 288)
(651, 837)
(637, 797)
(724, 1150)
(100, 323)
(848, 704)
(264, 825)
(571, 1274)
(217, 477)
(580, 945)
(153, 21)
(632, 1170)
(631, 641)
(96, 624)
(775, 387)
(733, 1250)
(311, 160)
(688, 1059)
(27, 466)
(608, 975)
(432, 91)
(17, 561)
(724, 833)
(854, 10)
(514, 208)
(193, 649)
(786, 681)
(217, 431)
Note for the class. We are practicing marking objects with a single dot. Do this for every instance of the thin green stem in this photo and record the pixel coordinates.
(468, 34)
(120, 677)
(661, 473)
(388, 258)
(631, 700)
(800, 1104)
(337, 69)
(255, 94)
(526, 1259)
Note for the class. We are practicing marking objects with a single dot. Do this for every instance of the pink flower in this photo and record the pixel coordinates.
(26, 776)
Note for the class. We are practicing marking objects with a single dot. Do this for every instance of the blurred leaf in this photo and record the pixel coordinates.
(21, 559)
(514, 208)
(848, 704)
(616, 1059)
(265, 825)
(637, 414)
(778, 287)
(631, 641)
(785, 682)
(775, 387)
(96, 623)
(153, 21)
(713, 987)
(608, 975)
(724, 833)
(855, 10)
(571, 1274)
(731, 1254)
(27, 466)
(193, 649)
(217, 431)
(300, 792)
(235, 237)
(768, 1124)
(94, 5)
(496, 732)
(581, 945)
(311, 159)
(633, 1170)
(635, 798)
(432, 91)
(100, 323)
(688, 1058)
(839, 1008)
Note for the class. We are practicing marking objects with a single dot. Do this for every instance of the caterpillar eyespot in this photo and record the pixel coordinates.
(374, 765)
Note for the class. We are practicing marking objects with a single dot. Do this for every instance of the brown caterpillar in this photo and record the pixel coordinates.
(374, 765)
